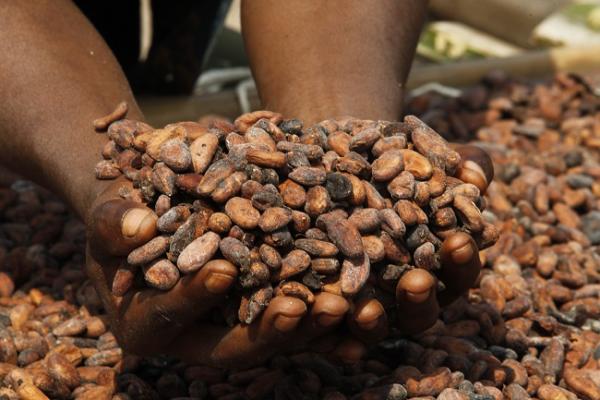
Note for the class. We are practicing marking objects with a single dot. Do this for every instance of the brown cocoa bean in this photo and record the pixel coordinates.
(215, 173)
(198, 252)
(297, 290)
(325, 266)
(354, 274)
(374, 248)
(119, 112)
(176, 155)
(254, 303)
(345, 236)
(235, 251)
(170, 221)
(339, 142)
(392, 223)
(317, 201)
(219, 223)
(107, 169)
(358, 193)
(316, 248)
(295, 262)
(402, 186)
(388, 143)
(267, 159)
(202, 151)
(293, 195)
(62, 370)
(242, 212)
(161, 274)
(270, 256)
(364, 139)
(432, 145)
(373, 198)
(149, 251)
(366, 219)
(417, 164)
(387, 166)
(308, 176)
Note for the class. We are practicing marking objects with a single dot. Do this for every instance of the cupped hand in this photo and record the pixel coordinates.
(417, 299)
(150, 321)
(416, 291)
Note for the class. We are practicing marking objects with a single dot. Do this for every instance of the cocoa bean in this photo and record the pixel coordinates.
(161, 274)
(295, 262)
(253, 304)
(202, 151)
(387, 166)
(308, 176)
(198, 252)
(149, 251)
(345, 236)
(242, 212)
(107, 169)
(317, 201)
(297, 290)
(119, 112)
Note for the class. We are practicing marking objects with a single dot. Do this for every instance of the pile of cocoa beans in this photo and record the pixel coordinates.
(298, 210)
(529, 330)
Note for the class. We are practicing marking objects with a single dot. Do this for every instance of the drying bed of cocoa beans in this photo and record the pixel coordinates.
(530, 328)
(297, 209)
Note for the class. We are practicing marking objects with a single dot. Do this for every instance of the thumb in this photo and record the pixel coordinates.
(118, 226)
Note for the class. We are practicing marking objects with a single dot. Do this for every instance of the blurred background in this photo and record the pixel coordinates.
(195, 65)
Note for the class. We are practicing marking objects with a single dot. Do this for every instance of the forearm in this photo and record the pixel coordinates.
(315, 59)
(57, 77)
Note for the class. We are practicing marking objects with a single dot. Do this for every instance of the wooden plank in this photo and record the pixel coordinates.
(511, 20)
(534, 64)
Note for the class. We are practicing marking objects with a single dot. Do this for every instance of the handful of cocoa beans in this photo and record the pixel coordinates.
(343, 206)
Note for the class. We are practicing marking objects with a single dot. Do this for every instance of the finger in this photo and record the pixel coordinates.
(368, 322)
(475, 167)
(418, 308)
(168, 312)
(327, 312)
(119, 226)
(243, 345)
(460, 266)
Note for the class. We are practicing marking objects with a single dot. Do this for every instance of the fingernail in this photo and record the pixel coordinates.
(459, 247)
(134, 220)
(285, 324)
(415, 285)
(463, 254)
(419, 297)
(368, 316)
(217, 283)
(473, 166)
(327, 320)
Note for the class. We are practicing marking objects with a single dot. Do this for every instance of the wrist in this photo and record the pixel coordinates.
(66, 163)
(326, 97)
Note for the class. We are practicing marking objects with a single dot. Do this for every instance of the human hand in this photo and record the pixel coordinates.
(418, 302)
(175, 322)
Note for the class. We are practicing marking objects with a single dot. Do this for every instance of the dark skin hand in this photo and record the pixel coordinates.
(59, 76)
(339, 57)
